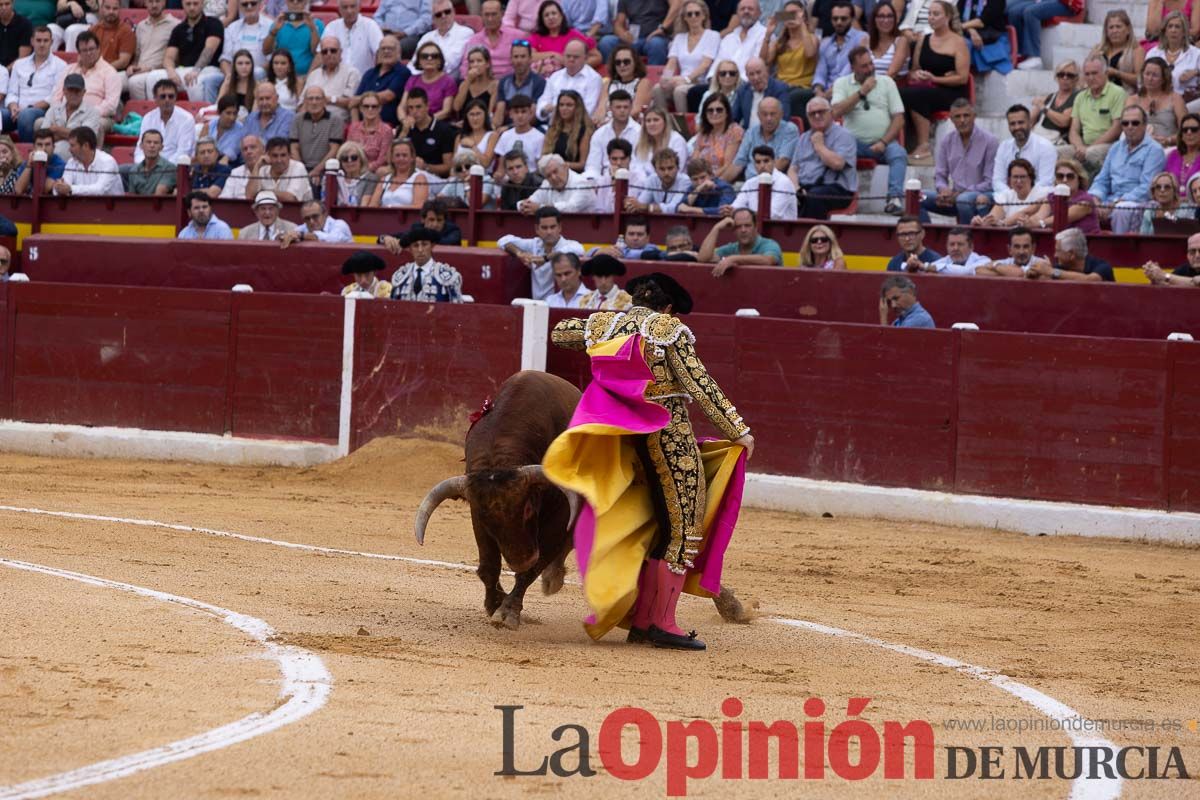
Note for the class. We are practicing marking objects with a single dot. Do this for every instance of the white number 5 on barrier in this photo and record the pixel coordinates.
(485, 272)
(33, 254)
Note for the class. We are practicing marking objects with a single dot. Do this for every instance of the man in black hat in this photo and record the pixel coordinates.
(363, 266)
(603, 270)
(670, 456)
(424, 279)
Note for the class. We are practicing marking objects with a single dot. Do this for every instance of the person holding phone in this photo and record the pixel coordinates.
(297, 32)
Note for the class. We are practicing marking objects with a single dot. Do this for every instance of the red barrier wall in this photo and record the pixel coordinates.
(1123, 311)
(5, 354)
(419, 365)
(163, 359)
(1062, 418)
(308, 268)
(1183, 427)
(288, 356)
(1044, 417)
(105, 356)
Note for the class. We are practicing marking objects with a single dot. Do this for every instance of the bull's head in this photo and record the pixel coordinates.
(508, 503)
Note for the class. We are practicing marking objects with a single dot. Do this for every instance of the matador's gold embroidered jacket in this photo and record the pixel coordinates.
(669, 351)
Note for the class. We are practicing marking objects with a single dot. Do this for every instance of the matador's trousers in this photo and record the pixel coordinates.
(675, 474)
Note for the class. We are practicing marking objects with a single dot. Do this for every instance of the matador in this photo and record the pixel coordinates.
(668, 459)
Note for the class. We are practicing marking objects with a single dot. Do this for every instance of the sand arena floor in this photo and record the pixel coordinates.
(89, 673)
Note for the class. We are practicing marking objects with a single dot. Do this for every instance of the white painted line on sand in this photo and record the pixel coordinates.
(306, 686)
(1081, 788)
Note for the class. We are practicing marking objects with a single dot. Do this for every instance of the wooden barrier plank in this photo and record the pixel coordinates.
(5, 354)
(111, 356)
(289, 366)
(1184, 428)
(422, 368)
(839, 402)
(1062, 418)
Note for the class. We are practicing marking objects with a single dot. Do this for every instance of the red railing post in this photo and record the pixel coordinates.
(620, 192)
(1058, 204)
(912, 197)
(766, 183)
(183, 187)
(474, 203)
(332, 171)
(37, 186)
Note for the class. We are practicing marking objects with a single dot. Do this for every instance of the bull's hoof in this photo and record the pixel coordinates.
(552, 578)
(506, 618)
(730, 608)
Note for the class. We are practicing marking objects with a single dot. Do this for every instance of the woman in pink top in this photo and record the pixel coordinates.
(1183, 160)
(439, 86)
(1081, 206)
(550, 38)
(371, 132)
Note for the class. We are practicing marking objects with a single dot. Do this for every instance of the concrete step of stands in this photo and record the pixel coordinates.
(1097, 9)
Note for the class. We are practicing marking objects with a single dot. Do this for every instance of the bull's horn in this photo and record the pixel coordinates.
(576, 503)
(573, 498)
(449, 489)
(532, 471)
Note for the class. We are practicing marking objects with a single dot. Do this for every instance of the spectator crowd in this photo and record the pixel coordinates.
(699, 102)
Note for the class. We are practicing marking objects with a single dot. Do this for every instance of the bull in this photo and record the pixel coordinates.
(515, 511)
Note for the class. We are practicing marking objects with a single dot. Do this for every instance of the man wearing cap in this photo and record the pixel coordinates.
(70, 112)
(363, 266)
(634, 572)
(269, 226)
(603, 269)
(424, 279)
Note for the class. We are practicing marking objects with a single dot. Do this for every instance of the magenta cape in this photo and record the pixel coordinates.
(596, 458)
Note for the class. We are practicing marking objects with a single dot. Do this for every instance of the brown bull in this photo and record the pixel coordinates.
(515, 511)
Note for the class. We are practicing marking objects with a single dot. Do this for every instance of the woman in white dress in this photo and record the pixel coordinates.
(404, 186)
(1020, 203)
(657, 134)
(692, 52)
(1176, 48)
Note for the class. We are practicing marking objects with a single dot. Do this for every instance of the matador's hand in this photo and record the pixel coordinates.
(746, 441)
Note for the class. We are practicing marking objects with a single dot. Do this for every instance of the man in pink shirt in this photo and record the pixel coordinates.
(102, 82)
(496, 37)
(522, 14)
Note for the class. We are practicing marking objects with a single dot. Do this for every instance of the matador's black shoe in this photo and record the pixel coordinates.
(636, 635)
(673, 641)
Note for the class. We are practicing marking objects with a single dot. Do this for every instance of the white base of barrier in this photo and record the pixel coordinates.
(769, 492)
(83, 442)
(1035, 517)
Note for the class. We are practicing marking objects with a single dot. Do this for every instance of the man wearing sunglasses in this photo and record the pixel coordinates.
(359, 36)
(31, 85)
(871, 111)
(448, 35)
(1123, 185)
(248, 32)
(825, 165)
(521, 81)
(336, 78)
(317, 226)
